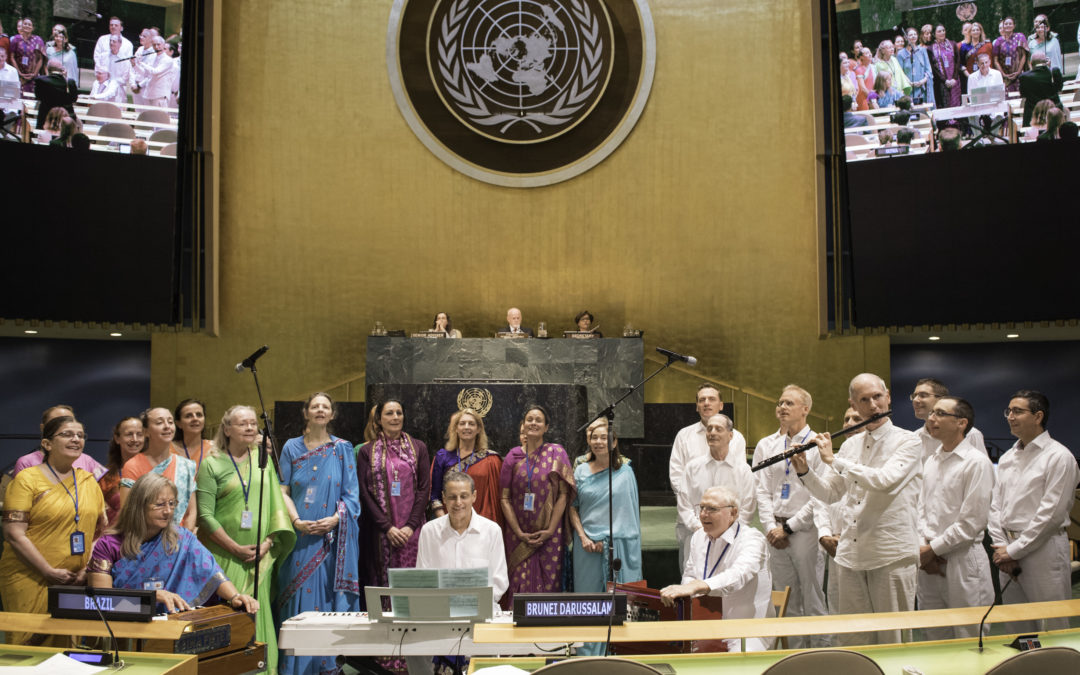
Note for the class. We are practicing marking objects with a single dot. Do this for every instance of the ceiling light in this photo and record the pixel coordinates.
(115, 334)
(30, 332)
(934, 338)
(1012, 336)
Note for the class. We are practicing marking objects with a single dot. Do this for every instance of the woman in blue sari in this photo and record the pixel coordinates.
(146, 551)
(318, 480)
(589, 518)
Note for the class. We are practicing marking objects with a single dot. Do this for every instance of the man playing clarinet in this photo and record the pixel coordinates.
(876, 476)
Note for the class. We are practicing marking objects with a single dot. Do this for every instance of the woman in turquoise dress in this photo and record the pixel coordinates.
(319, 484)
(589, 519)
(229, 486)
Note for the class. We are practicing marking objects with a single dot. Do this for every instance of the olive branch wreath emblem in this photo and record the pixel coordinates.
(472, 104)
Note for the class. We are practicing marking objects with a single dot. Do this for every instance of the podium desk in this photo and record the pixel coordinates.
(135, 663)
(944, 656)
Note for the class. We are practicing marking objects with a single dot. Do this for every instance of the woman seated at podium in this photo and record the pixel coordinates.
(52, 513)
(467, 451)
(318, 480)
(232, 487)
(442, 323)
(589, 518)
(145, 550)
(584, 321)
(127, 441)
(537, 484)
(394, 473)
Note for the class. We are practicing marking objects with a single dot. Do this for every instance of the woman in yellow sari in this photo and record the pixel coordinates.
(52, 514)
(229, 485)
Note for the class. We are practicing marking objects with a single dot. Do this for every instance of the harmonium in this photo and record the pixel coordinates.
(222, 637)
(644, 604)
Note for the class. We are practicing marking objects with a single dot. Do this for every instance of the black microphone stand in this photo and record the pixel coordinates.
(614, 564)
(267, 439)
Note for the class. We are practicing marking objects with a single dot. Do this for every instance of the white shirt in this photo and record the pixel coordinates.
(930, 445)
(8, 73)
(155, 74)
(977, 79)
(878, 476)
(481, 545)
(1034, 494)
(736, 567)
(108, 90)
(705, 472)
(103, 56)
(690, 443)
(799, 507)
(955, 502)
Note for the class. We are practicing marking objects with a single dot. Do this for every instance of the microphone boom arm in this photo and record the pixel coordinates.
(806, 446)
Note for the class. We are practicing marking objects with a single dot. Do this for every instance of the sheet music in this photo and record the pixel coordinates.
(460, 605)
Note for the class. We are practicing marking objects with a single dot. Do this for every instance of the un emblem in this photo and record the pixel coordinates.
(521, 92)
(476, 399)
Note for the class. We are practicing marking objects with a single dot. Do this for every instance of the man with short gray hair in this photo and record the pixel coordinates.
(877, 475)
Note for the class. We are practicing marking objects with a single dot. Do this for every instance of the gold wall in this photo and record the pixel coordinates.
(700, 229)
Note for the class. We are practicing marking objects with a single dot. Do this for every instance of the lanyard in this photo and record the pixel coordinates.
(529, 467)
(705, 571)
(201, 446)
(245, 488)
(74, 483)
(787, 462)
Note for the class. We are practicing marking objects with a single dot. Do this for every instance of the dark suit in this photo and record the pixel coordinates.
(53, 91)
(523, 329)
(1038, 84)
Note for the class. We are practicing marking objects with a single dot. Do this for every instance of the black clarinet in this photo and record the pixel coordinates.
(806, 446)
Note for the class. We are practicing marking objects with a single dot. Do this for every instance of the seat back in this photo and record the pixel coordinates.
(1042, 660)
(105, 109)
(117, 130)
(155, 116)
(597, 666)
(825, 662)
(169, 150)
(164, 136)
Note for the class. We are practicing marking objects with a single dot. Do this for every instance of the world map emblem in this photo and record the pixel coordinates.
(521, 92)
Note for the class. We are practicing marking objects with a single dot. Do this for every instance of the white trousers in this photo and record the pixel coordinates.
(1045, 574)
(800, 567)
(886, 589)
(834, 584)
(966, 583)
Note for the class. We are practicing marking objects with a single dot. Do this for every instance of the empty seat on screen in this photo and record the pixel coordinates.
(155, 116)
(169, 150)
(856, 139)
(104, 109)
(117, 130)
(164, 136)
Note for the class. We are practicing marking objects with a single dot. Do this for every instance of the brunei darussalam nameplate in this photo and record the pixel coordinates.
(521, 93)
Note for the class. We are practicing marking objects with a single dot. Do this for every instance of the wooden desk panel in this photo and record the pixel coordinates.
(43, 623)
(135, 663)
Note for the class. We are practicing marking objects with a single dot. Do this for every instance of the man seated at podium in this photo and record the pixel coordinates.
(729, 561)
(460, 539)
(513, 323)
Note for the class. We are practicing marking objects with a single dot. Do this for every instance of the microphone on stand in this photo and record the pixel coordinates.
(89, 13)
(1012, 577)
(672, 356)
(116, 662)
(250, 361)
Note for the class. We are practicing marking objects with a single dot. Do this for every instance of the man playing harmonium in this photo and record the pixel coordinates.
(460, 539)
(729, 561)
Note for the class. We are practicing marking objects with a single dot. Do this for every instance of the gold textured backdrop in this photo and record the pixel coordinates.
(700, 229)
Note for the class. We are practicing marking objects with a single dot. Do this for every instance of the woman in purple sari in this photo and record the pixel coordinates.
(537, 483)
(1010, 54)
(945, 62)
(394, 474)
(27, 53)
(146, 551)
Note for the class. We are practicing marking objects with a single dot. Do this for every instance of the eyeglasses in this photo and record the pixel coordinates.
(942, 413)
(786, 404)
(161, 506)
(702, 508)
(921, 395)
(1016, 411)
(71, 434)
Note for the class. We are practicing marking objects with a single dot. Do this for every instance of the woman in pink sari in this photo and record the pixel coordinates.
(945, 62)
(394, 474)
(1010, 53)
(537, 483)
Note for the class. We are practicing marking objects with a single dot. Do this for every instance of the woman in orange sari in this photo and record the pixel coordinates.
(467, 451)
(52, 514)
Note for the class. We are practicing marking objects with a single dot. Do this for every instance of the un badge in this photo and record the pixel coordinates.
(476, 399)
(521, 93)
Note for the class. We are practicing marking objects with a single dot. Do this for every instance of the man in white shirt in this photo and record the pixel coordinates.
(107, 89)
(155, 74)
(958, 481)
(119, 67)
(877, 475)
(104, 54)
(461, 539)
(928, 391)
(1029, 511)
(730, 560)
(985, 76)
(719, 466)
(690, 443)
(789, 514)
(144, 54)
(8, 73)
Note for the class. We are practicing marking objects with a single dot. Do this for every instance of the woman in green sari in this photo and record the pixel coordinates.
(229, 487)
